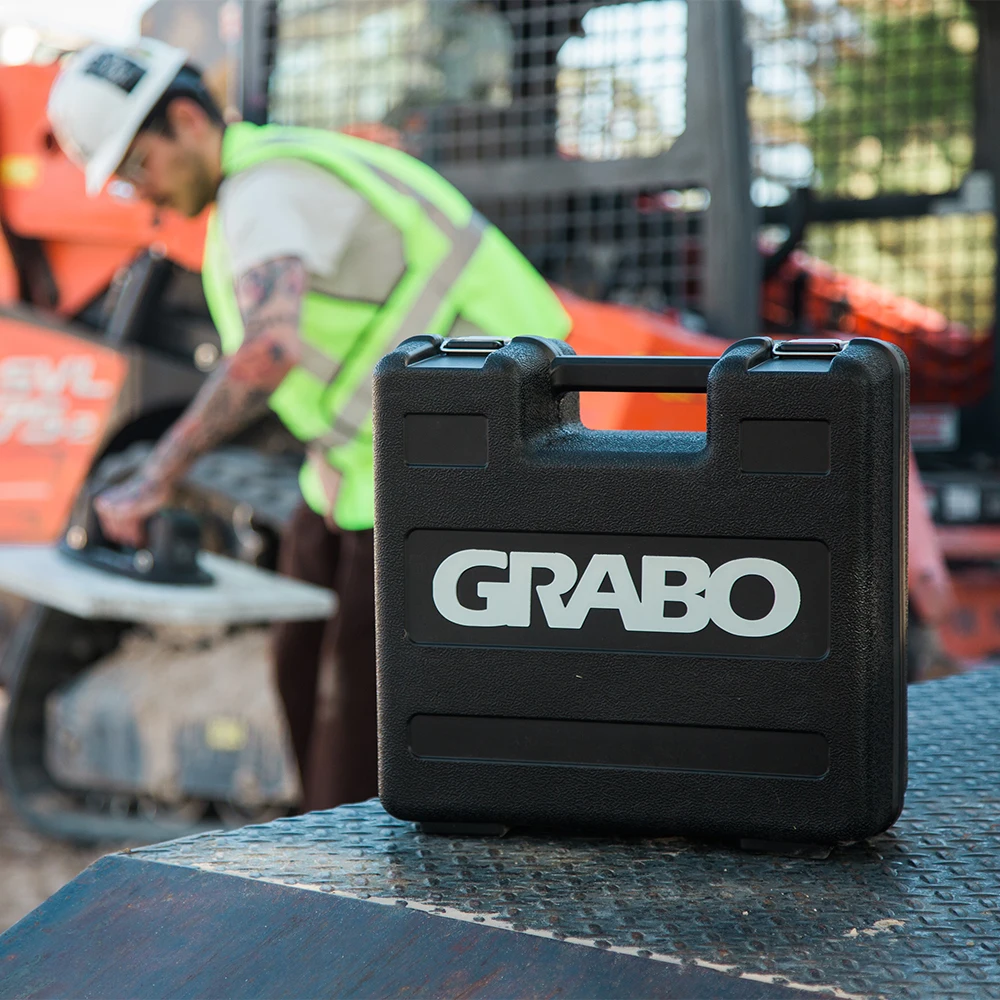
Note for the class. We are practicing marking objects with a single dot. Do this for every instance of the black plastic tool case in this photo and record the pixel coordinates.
(643, 631)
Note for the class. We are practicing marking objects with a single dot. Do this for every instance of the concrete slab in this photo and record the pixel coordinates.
(240, 593)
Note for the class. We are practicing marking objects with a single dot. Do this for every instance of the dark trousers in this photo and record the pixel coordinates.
(325, 670)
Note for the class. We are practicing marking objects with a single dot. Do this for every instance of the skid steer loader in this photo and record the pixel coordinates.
(121, 730)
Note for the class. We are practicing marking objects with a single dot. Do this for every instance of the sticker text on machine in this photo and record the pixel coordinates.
(727, 596)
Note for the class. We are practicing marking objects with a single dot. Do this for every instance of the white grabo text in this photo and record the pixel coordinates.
(704, 593)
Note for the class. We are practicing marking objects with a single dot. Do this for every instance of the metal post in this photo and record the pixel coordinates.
(981, 424)
(260, 21)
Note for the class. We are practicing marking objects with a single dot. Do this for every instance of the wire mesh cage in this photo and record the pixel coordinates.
(465, 84)
(856, 99)
(517, 77)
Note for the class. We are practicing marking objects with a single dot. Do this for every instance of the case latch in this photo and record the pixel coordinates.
(803, 347)
(473, 345)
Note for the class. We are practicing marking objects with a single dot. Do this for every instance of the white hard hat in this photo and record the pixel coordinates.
(100, 98)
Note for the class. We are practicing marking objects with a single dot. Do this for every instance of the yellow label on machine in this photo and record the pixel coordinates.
(226, 733)
(19, 171)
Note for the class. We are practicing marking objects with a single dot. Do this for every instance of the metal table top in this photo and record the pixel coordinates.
(912, 913)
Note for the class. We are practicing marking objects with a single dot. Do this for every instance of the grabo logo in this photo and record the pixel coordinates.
(704, 593)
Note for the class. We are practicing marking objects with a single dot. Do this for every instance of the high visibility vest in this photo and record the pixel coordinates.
(458, 267)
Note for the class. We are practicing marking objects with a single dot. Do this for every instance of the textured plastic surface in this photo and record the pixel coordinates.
(913, 913)
(836, 671)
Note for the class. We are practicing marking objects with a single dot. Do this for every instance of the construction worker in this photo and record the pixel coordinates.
(324, 251)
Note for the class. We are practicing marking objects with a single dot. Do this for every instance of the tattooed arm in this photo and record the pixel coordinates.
(235, 394)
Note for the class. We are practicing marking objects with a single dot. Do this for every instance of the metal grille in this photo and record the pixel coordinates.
(576, 78)
(622, 83)
(463, 83)
(632, 247)
(946, 262)
(865, 98)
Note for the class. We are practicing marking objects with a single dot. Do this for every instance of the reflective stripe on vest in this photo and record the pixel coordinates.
(465, 241)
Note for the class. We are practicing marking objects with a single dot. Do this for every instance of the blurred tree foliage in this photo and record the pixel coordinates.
(881, 93)
(897, 99)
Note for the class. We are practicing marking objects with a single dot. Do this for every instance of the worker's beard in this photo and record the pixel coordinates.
(197, 186)
(201, 191)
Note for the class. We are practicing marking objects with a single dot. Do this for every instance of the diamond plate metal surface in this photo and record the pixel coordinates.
(914, 913)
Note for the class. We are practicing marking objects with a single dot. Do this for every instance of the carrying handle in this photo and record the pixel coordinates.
(583, 373)
(577, 373)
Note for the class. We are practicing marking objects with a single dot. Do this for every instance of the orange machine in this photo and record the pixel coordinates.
(949, 363)
(60, 254)
(63, 254)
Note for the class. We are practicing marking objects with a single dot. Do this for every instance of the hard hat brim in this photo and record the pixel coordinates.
(109, 155)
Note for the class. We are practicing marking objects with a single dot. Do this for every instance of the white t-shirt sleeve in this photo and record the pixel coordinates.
(287, 208)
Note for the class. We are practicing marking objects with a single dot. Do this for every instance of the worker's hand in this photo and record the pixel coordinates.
(124, 509)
